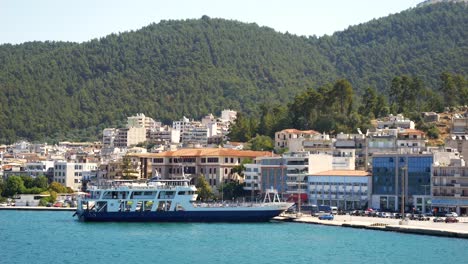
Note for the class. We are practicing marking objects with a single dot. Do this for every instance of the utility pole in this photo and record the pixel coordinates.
(403, 192)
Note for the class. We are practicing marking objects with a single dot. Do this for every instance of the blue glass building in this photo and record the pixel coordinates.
(392, 173)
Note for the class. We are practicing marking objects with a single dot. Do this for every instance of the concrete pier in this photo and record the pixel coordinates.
(457, 230)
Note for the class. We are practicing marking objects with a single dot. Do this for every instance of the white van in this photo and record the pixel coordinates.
(334, 210)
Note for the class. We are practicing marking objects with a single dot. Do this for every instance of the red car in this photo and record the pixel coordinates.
(451, 219)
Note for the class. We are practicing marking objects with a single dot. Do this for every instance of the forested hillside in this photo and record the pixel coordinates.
(56, 90)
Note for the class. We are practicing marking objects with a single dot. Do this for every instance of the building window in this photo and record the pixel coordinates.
(158, 160)
(213, 160)
(203, 160)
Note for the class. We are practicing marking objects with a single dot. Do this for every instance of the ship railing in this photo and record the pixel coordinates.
(229, 205)
(130, 187)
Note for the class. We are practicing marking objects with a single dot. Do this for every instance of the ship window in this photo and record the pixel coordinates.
(181, 193)
(148, 205)
(163, 206)
(139, 206)
(101, 207)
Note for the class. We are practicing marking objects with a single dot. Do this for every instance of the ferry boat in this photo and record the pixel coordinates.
(170, 201)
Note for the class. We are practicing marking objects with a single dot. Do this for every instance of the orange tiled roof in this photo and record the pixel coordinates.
(342, 173)
(207, 152)
(297, 131)
(411, 131)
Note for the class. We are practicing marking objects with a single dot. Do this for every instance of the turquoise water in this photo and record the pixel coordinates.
(55, 237)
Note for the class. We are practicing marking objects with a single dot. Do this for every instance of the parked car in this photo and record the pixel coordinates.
(438, 219)
(421, 217)
(326, 217)
(451, 219)
(395, 215)
(452, 214)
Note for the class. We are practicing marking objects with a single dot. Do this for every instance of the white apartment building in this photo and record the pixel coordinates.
(283, 137)
(196, 136)
(301, 164)
(253, 177)
(460, 124)
(70, 174)
(163, 134)
(35, 169)
(108, 137)
(129, 136)
(228, 115)
(398, 121)
(140, 120)
(346, 189)
(411, 139)
(344, 159)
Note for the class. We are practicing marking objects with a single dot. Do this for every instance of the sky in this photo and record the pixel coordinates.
(83, 20)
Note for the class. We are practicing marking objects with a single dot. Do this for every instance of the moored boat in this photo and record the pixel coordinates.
(169, 201)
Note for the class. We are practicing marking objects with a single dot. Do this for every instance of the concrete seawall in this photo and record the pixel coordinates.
(37, 208)
(457, 230)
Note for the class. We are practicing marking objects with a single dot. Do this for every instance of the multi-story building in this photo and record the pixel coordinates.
(197, 135)
(358, 142)
(397, 174)
(381, 141)
(228, 116)
(450, 187)
(273, 171)
(71, 174)
(36, 169)
(346, 189)
(288, 174)
(316, 143)
(398, 121)
(108, 137)
(163, 135)
(215, 164)
(253, 176)
(458, 137)
(460, 143)
(411, 140)
(140, 120)
(126, 137)
(301, 164)
(344, 159)
(460, 124)
(283, 137)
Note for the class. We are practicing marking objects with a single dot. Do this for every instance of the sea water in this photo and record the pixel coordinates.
(57, 237)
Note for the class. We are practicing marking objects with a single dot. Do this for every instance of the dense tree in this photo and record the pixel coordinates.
(231, 190)
(343, 93)
(262, 143)
(203, 189)
(58, 188)
(197, 66)
(14, 185)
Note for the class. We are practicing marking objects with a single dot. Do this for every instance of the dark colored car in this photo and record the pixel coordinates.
(451, 219)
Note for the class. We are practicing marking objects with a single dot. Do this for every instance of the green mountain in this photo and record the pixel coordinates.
(54, 90)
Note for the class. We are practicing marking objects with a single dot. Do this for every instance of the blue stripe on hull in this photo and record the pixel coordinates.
(182, 216)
